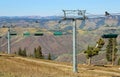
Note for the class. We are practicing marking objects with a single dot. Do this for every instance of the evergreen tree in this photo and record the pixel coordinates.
(92, 51)
(35, 53)
(15, 53)
(19, 51)
(38, 53)
(111, 50)
(119, 61)
(24, 52)
(100, 43)
(88, 53)
(49, 56)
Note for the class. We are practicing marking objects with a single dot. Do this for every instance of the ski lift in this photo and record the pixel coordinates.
(58, 31)
(26, 34)
(110, 33)
(13, 33)
(38, 34)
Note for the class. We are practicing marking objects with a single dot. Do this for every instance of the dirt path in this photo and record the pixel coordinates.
(107, 72)
(43, 62)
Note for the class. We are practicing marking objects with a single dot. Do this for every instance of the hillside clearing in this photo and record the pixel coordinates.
(14, 66)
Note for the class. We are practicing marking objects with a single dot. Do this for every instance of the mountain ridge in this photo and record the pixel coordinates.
(43, 22)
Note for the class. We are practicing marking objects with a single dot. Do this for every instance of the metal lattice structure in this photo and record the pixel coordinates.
(74, 14)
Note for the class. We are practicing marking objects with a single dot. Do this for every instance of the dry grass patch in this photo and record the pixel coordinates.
(12, 66)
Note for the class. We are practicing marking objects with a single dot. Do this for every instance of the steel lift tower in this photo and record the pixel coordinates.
(74, 15)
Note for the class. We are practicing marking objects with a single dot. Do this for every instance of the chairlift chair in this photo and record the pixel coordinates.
(38, 34)
(58, 31)
(111, 33)
(13, 33)
(26, 34)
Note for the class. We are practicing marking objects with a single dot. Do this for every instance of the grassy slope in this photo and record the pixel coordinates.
(26, 67)
(56, 45)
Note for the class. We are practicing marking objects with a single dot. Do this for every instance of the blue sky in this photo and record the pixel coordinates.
(55, 7)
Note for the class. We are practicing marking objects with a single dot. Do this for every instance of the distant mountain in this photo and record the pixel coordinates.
(50, 22)
(88, 32)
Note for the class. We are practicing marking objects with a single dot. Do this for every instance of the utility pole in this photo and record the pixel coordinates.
(8, 36)
(74, 48)
(74, 15)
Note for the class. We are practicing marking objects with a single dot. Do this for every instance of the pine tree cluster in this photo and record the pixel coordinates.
(111, 50)
(92, 51)
(38, 53)
(119, 61)
(22, 52)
